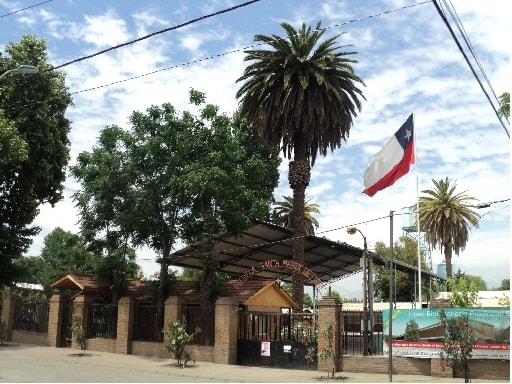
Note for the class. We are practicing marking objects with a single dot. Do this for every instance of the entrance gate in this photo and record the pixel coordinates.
(280, 340)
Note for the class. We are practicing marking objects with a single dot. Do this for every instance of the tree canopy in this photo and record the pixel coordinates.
(35, 146)
(405, 250)
(174, 177)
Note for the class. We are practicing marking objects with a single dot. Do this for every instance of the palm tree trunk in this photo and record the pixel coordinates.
(299, 174)
(448, 259)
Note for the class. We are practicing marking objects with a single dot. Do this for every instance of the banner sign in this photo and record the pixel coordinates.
(490, 326)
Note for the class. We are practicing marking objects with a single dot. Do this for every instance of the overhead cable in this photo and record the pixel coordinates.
(23, 9)
(447, 23)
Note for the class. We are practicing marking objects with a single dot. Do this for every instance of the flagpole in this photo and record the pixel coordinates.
(418, 299)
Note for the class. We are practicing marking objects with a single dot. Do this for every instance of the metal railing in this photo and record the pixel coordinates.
(352, 335)
(273, 326)
(31, 316)
(102, 322)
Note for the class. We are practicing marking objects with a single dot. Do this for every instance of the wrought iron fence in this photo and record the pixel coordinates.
(148, 323)
(102, 322)
(351, 331)
(273, 326)
(31, 316)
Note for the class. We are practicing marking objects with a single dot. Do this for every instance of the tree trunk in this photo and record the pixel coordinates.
(299, 174)
(207, 304)
(448, 259)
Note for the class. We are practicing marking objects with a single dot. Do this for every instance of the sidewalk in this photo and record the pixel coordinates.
(34, 363)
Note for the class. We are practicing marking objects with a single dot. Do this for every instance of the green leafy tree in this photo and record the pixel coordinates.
(302, 96)
(33, 107)
(412, 331)
(446, 218)
(477, 281)
(13, 148)
(404, 250)
(283, 213)
(463, 292)
(176, 177)
(457, 348)
(505, 285)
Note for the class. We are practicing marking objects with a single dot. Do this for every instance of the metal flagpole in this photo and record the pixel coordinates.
(390, 337)
(418, 299)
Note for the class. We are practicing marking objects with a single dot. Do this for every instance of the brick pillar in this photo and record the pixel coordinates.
(173, 309)
(125, 323)
(8, 310)
(55, 321)
(226, 327)
(328, 312)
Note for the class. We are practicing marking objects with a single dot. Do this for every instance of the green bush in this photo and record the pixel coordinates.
(176, 338)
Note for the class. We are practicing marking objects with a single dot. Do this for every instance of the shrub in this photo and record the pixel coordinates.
(176, 338)
(78, 333)
(457, 347)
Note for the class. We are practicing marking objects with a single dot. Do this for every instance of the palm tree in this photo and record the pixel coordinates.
(446, 218)
(301, 95)
(504, 110)
(284, 214)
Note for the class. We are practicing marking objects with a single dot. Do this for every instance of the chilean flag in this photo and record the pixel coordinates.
(391, 162)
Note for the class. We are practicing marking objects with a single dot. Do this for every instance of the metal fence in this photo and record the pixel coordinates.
(102, 322)
(148, 323)
(273, 326)
(352, 337)
(31, 316)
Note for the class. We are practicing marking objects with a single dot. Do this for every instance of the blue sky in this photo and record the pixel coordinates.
(406, 56)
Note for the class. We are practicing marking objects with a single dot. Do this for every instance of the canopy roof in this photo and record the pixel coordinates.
(264, 251)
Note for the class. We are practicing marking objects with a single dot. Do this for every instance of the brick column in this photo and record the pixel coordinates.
(8, 309)
(55, 319)
(125, 323)
(328, 312)
(173, 309)
(226, 327)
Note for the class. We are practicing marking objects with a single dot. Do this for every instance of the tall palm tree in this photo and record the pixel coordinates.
(284, 214)
(301, 95)
(446, 218)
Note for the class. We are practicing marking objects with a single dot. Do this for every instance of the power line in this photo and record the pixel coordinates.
(157, 33)
(24, 9)
(447, 23)
(215, 56)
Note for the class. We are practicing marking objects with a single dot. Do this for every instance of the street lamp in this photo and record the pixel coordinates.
(22, 69)
(367, 288)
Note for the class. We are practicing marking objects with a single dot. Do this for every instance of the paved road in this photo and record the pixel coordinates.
(26, 363)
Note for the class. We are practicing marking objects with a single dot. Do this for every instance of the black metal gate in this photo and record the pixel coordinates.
(279, 340)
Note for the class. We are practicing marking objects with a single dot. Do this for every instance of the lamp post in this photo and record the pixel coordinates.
(367, 283)
(22, 69)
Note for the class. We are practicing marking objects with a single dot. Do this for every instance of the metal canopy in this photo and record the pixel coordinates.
(260, 253)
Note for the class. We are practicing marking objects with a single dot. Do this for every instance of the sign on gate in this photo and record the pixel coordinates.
(490, 326)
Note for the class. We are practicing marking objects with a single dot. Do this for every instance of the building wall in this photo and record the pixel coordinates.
(225, 349)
